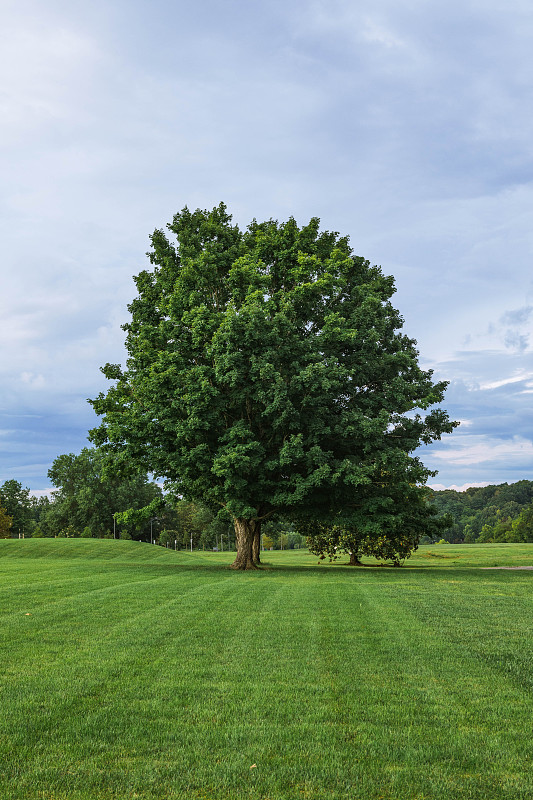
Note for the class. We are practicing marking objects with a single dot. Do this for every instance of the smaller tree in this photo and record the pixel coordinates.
(39, 527)
(469, 534)
(332, 541)
(17, 503)
(296, 540)
(6, 523)
(502, 530)
(268, 542)
(133, 521)
(522, 527)
(186, 523)
(220, 531)
(68, 533)
(395, 547)
(88, 496)
(169, 538)
(486, 535)
(401, 519)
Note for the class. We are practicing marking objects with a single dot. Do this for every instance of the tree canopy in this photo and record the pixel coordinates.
(398, 535)
(17, 503)
(494, 513)
(87, 499)
(267, 374)
(6, 523)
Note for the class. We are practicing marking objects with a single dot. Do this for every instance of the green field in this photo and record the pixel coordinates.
(130, 671)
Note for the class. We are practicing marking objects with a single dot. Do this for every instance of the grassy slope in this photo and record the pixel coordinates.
(129, 671)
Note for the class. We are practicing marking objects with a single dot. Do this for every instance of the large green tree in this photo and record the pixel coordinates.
(267, 373)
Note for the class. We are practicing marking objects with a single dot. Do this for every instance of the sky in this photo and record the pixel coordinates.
(406, 125)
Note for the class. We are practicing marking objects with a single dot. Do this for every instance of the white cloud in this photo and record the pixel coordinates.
(41, 64)
(33, 381)
(376, 32)
(473, 450)
(408, 127)
(440, 487)
(524, 376)
(42, 492)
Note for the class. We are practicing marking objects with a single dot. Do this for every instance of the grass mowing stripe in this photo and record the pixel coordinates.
(84, 624)
(333, 682)
(136, 696)
(505, 603)
(475, 717)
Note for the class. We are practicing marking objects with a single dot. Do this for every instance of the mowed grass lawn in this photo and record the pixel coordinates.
(130, 671)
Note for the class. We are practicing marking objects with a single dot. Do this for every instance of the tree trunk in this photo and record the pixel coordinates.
(354, 560)
(256, 544)
(244, 539)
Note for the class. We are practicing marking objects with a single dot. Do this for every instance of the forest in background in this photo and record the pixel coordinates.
(497, 513)
(87, 503)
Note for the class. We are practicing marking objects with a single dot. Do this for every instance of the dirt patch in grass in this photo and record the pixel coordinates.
(437, 555)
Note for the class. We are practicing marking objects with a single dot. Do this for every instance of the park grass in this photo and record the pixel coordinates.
(130, 671)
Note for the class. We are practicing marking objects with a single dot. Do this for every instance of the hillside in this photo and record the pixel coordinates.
(498, 513)
(101, 549)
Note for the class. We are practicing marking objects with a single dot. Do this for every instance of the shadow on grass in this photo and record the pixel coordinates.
(121, 556)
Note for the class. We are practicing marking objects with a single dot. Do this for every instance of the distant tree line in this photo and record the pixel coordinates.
(89, 502)
(498, 513)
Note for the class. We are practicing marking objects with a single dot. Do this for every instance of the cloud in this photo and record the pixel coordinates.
(374, 32)
(33, 381)
(513, 323)
(518, 316)
(440, 487)
(520, 378)
(516, 341)
(474, 450)
(490, 391)
(36, 57)
(42, 493)
(407, 127)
